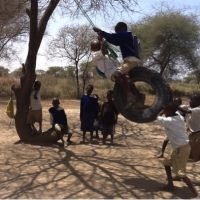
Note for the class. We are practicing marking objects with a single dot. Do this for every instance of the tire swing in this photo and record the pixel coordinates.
(159, 87)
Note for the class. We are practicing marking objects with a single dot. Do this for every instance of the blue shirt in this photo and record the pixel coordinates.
(59, 116)
(125, 40)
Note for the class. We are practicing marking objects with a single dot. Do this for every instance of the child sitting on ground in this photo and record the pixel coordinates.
(58, 120)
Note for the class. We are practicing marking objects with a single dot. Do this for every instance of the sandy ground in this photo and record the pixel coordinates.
(127, 169)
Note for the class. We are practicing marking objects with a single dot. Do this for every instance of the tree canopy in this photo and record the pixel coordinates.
(169, 41)
(13, 25)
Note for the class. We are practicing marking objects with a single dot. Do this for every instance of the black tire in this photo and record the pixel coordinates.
(147, 114)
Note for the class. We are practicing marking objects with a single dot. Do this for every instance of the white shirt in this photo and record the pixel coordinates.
(175, 130)
(106, 65)
(35, 103)
(193, 119)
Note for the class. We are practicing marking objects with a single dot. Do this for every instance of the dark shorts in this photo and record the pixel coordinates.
(108, 129)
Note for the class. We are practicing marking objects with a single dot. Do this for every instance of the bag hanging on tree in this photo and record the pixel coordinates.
(10, 109)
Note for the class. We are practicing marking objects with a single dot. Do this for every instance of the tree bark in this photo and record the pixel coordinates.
(77, 79)
(23, 90)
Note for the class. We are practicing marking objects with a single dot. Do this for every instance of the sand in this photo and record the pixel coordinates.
(127, 169)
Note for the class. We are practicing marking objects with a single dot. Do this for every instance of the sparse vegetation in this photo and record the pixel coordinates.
(63, 87)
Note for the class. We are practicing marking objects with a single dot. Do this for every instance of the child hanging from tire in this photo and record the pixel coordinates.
(129, 48)
(108, 117)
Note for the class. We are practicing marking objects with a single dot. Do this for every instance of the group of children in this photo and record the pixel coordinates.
(177, 120)
(93, 116)
(58, 118)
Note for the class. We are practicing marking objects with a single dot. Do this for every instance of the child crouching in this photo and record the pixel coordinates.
(58, 120)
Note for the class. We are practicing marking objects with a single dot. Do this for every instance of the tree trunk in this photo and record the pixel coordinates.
(23, 90)
(77, 80)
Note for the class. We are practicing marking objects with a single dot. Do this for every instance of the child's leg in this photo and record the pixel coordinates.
(63, 142)
(133, 96)
(165, 142)
(91, 136)
(170, 185)
(111, 138)
(97, 133)
(69, 137)
(84, 132)
(33, 127)
(38, 117)
(40, 127)
(190, 185)
(104, 137)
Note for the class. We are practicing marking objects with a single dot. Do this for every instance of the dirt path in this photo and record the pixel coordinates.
(127, 169)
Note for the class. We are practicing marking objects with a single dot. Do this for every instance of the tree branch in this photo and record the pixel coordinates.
(44, 20)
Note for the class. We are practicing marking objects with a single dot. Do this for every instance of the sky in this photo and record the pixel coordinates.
(145, 7)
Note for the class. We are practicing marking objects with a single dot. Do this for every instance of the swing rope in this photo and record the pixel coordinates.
(84, 13)
(111, 52)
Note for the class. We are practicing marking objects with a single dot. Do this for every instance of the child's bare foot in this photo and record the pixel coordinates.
(168, 188)
(160, 155)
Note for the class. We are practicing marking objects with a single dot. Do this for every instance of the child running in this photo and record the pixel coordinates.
(176, 132)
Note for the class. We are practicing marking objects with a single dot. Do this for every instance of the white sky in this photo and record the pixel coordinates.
(145, 7)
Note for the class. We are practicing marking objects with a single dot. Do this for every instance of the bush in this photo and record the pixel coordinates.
(57, 87)
(184, 89)
(66, 87)
(6, 84)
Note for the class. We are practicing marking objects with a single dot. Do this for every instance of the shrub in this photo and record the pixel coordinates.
(5, 85)
(66, 87)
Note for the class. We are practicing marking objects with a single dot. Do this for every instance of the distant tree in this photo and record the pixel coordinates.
(13, 25)
(72, 44)
(197, 75)
(56, 71)
(3, 71)
(169, 41)
(194, 76)
(85, 73)
(70, 71)
(40, 72)
(17, 72)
